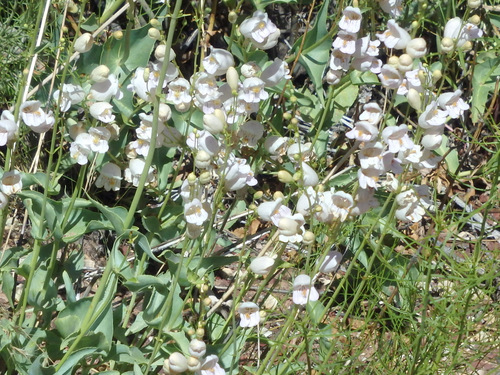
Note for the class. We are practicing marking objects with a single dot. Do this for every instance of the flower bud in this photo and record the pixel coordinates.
(285, 177)
(154, 33)
(447, 45)
(414, 100)
(177, 362)
(118, 34)
(205, 178)
(164, 113)
(467, 46)
(155, 23)
(99, 74)
(393, 61)
(194, 364)
(84, 43)
(232, 78)
(405, 63)
(191, 179)
(262, 265)
(309, 237)
(331, 262)
(475, 19)
(436, 75)
(474, 4)
(197, 348)
(232, 17)
(212, 123)
(416, 48)
(277, 195)
(258, 194)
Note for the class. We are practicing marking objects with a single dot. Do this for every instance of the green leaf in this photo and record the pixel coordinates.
(115, 215)
(483, 83)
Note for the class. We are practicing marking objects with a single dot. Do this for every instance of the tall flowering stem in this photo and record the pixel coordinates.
(154, 132)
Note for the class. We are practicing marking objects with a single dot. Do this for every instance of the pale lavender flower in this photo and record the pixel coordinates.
(304, 290)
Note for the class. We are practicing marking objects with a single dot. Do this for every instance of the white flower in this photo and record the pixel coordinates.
(397, 138)
(71, 94)
(390, 77)
(35, 117)
(4, 201)
(218, 61)
(393, 7)
(367, 63)
(351, 20)
(100, 137)
(133, 173)
(331, 262)
(276, 146)
(238, 175)
(102, 111)
(456, 29)
(249, 314)
(309, 175)
(262, 265)
(453, 103)
(366, 47)
(110, 177)
(345, 42)
(8, 128)
(363, 131)
(197, 212)
(179, 92)
(253, 90)
(105, 90)
(210, 366)
(299, 152)
(275, 73)
(371, 113)
(80, 148)
(260, 30)
(273, 210)
(368, 177)
(205, 86)
(11, 182)
(250, 132)
(395, 36)
(432, 137)
(84, 43)
(432, 116)
(333, 77)
(341, 204)
(365, 200)
(339, 60)
(304, 290)
(214, 122)
(203, 140)
(291, 228)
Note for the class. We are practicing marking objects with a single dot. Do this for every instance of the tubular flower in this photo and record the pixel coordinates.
(110, 177)
(260, 30)
(249, 314)
(395, 36)
(304, 290)
(351, 20)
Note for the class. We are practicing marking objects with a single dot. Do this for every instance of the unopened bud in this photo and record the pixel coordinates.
(308, 238)
(200, 332)
(205, 178)
(118, 34)
(154, 33)
(191, 179)
(258, 194)
(232, 78)
(155, 23)
(475, 19)
(278, 194)
(405, 63)
(447, 45)
(84, 43)
(232, 16)
(474, 4)
(285, 177)
(393, 61)
(100, 74)
(467, 46)
(436, 75)
(414, 100)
